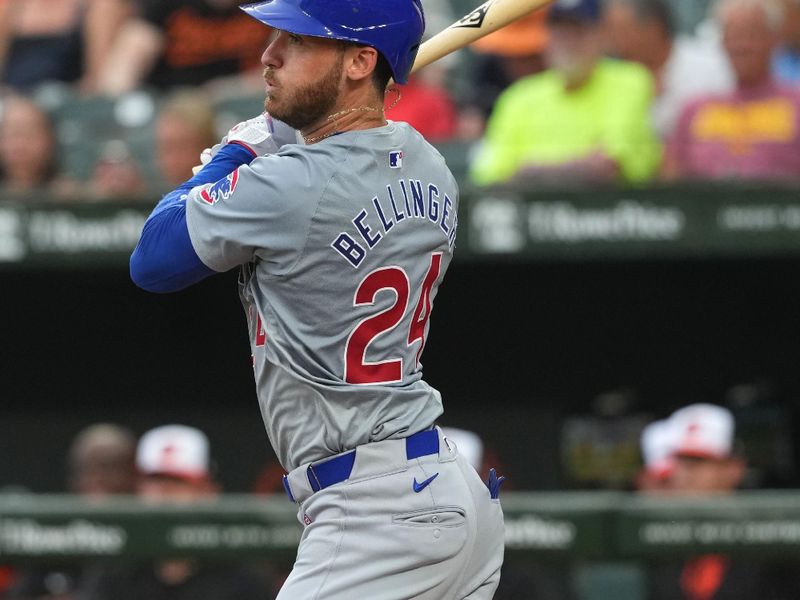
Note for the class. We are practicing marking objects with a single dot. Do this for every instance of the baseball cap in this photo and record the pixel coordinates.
(523, 37)
(703, 431)
(174, 450)
(657, 443)
(583, 11)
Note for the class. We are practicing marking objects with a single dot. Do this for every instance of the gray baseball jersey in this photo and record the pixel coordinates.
(343, 245)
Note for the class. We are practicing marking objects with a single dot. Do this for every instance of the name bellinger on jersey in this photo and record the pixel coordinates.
(410, 199)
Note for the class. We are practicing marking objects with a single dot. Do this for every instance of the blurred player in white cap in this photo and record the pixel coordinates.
(175, 466)
(704, 457)
(704, 464)
(657, 448)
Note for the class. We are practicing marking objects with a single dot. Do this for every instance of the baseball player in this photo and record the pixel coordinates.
(343, 225)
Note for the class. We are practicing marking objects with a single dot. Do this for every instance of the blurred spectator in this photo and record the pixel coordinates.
(101, 462)
(185, 127)
(786, 59)
(65, 40)
(683, 67)
(100, 465)
(501, 58)
(705, 464)
(175, 467)
(583, 120)
(753, 132)
(181, 43)
(27, 147)
(116, 174)
(657, 454)
(425, 103)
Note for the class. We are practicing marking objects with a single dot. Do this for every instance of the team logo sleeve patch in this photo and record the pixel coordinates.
(221, 190)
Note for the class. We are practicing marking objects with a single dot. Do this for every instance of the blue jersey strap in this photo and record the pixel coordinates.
(164, 259)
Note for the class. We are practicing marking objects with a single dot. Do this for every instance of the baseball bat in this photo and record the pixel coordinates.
(488, 17)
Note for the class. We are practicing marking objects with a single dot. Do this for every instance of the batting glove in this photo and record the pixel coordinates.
(253, 134)
(261, 135)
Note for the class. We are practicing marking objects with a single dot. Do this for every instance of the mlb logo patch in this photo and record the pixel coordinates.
(306, 519)
(221, 190)
(396, 159)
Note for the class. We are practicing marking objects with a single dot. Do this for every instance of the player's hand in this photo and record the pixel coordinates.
(206, 156)
(254, 134)
(261, 135)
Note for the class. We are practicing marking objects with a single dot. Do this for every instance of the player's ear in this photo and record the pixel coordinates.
(360, 62)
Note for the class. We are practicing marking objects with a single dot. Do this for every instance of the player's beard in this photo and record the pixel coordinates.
(308, 104)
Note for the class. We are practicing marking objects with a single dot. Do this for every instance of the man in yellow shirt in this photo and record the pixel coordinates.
(584, 120)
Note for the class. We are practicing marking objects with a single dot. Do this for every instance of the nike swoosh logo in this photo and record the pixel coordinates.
(418, 487)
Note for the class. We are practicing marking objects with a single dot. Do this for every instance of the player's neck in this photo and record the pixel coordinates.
(358, 111)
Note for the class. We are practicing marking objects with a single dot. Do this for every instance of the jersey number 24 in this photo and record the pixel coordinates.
(357, 370)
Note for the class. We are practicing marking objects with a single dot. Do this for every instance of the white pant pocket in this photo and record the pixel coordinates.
(436, 516)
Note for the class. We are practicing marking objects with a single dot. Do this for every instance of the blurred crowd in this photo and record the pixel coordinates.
(169, 465)
(105, 99)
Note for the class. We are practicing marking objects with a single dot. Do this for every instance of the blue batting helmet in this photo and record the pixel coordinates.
(393, 27)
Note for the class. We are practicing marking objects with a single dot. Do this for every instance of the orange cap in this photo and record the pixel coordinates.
(528, 35)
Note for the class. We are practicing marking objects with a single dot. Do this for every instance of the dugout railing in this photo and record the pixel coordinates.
(599, 543)
(548, 525)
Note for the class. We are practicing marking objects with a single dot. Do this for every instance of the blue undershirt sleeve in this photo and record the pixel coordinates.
(164, 259)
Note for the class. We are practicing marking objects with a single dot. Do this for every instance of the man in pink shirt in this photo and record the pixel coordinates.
(754, 132)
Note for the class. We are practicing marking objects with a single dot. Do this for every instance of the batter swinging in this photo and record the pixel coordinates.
(343, 236)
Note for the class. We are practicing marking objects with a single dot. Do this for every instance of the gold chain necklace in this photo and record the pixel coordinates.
(341, 113)
(332, 118)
